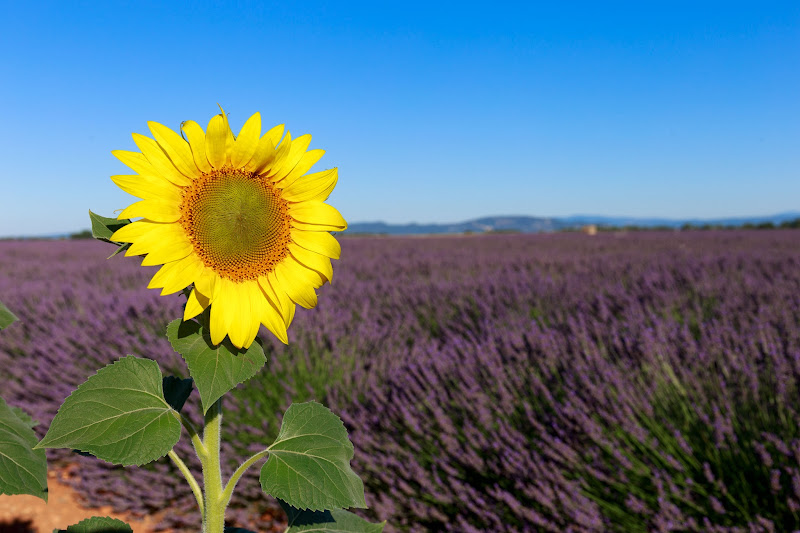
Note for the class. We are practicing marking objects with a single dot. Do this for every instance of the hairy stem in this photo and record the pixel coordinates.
(199, 447)
(214, 506)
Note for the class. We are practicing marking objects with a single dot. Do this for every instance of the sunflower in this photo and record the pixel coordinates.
(237, 217)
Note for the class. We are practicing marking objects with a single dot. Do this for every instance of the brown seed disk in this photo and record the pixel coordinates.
(238, 223)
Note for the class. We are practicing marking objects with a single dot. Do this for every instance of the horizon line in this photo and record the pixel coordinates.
(782, 214)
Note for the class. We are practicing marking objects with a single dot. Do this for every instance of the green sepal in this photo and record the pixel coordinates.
(335, 521)
(23, 470)
(6, 316)
(97, 524)
(216, 369)
(177, 391)
(118, 415)
(103, 228)
(309, 462)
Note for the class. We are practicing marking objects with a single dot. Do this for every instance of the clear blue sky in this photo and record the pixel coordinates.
(432, 111)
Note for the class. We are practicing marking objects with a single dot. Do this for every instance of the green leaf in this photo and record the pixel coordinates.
(309, 462)
(103, 228)
(336, 521)
(118, 415)
(6, 316)
(215, 369)
(23, 470)
(177, 391)
(97, 524)
(24, 417)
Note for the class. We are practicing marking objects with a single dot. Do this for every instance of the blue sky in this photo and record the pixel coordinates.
(433, 111)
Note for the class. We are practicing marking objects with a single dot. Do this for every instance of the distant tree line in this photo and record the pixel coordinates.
(788, 224)
(85, 234)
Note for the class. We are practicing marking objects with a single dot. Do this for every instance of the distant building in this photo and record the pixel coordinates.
(589, 229)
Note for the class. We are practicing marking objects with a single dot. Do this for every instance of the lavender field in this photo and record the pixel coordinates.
(500, 383)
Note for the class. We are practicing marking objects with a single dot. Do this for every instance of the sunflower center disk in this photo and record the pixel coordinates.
(237, 222)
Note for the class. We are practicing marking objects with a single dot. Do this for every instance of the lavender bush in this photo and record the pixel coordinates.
(493, 383)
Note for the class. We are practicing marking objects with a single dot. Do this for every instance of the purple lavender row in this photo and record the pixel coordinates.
(499, 383)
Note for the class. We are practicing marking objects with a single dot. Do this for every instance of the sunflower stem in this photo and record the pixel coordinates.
(199, 447)
(214, 505)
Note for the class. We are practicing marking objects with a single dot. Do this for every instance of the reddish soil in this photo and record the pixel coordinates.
(28, 514)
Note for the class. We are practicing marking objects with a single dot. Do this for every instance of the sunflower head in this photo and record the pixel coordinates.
(237, 217)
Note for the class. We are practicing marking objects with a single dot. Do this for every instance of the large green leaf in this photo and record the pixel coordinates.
(309, 462)
(25, 417)
(118, 415)
(23, 470)
(216, 369)
(97, 524)
(335, 521)
(6, 316)
(103, 228)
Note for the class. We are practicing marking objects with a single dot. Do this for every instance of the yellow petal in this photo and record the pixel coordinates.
(264, 152)
(279, 300)
(313, 227)
(149, 187)
(197, 142)
(257, 303)
(269, 164)
(269, 293)
(247, 141)
(216, 137)
(158, 237)
(289, 306)
(287, 161)
(154, 210)
(176, 148)
(133, 232)
(241, 311)
(317, 186)
(195, 305)
(158, 159)
(265, 149)
(222, 312)
(136, 161)
(298, 282)
(161, 276)
(162, 253)
(265, 313)
(271, 318)
(307, 160)
(181, 275)
(321, 242)
(208, 283)
(313, 260)
(321, 214)
(229, 139)
(274, 134)
(149, 232)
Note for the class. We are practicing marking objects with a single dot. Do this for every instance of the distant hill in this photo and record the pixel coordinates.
(525, 224)
(517, 224)
(478, 225)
